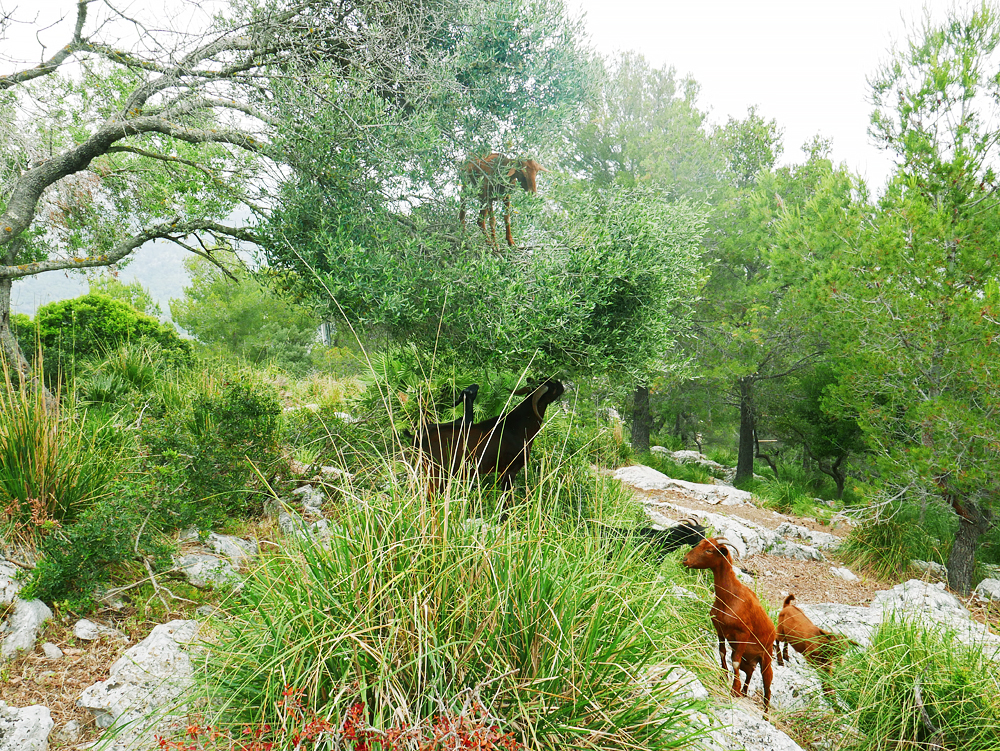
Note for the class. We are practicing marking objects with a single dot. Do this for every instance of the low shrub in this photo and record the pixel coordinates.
(109, 538)
(51, 466)
(203, 453)
(884, 546)
(910, 669)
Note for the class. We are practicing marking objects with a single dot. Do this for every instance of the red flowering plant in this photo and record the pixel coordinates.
(471, 728)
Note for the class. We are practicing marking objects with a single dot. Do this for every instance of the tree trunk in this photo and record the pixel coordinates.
(973, 522)
(642, 420)
(744, 464)
(14, 359)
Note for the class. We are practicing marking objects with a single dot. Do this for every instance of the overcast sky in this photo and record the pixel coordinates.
(804, 63)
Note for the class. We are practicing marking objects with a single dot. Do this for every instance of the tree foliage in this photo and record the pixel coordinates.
(245, 317)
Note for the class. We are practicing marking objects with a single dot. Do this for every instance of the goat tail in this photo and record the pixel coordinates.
(788, 600)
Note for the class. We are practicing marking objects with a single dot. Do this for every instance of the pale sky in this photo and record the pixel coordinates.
(804, 63)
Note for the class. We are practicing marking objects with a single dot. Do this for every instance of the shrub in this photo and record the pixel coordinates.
(886, 545)
(87, 327)
(78, 559)
(959, 688)
(51, 467)
(205, 448)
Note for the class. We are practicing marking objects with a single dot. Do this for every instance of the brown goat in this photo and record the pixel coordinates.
(737, 615)
(499, 445)
(494, 176)
(817, 646)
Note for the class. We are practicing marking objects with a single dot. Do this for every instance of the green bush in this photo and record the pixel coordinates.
(90, 326)
(959, 687)
(886, 546)
(84, 556)
(201, 451)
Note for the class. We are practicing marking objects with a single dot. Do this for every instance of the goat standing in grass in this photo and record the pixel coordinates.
(500, 445)
(444, 444)
(737, 615)
(494, 176)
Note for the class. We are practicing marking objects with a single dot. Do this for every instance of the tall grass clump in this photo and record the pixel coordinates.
(957, 685)
(51, 468)
(413, 604)
(884, 546)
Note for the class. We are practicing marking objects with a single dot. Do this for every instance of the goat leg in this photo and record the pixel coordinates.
(722, 646)
(506, 219)
(777, 652)
(738, 649)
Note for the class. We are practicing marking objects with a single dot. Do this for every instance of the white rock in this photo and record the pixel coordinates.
(844, 573)
(793, 550)
(988, 589)
(294, 526)
(821, 540)
(748, 731)
(932, 568)
(206, 571)
(915, 595)
(51, 651)
(345, 417)
(794, 685)
(683, 682)
(25, 729)
(328, 472)
(141, 695)
(312, 500)
(238, 550)
(21, 628)
(87, 630)
(647, 478)
(9, 586)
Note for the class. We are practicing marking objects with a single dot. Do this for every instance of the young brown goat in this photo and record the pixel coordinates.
(817, 646)
(737, 615)
(494, 176)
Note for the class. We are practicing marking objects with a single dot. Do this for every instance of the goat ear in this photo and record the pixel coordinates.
(512, 171)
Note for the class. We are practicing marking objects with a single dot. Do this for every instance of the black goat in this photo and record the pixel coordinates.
(687, 532)
(499, 445)
(444, 443)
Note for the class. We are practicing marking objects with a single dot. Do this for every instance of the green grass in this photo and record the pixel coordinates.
(676, 470)
(959, 687)
(414, 604)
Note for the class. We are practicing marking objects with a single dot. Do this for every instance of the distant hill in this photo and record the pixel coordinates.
(159, 267)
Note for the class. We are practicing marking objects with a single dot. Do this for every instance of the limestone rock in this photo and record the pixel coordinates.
(69, 733)
(647, 478)
(9, 586)
(933, 569)
(87, 630)
(749, 731)
(141, 695)
(206, 571)
(51, 651)
(793, 550)
(820, 540)
(25, 729)
(21, 629)
(844, 573)
(988, 589)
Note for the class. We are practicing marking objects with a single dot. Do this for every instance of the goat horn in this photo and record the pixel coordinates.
(535, 397)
